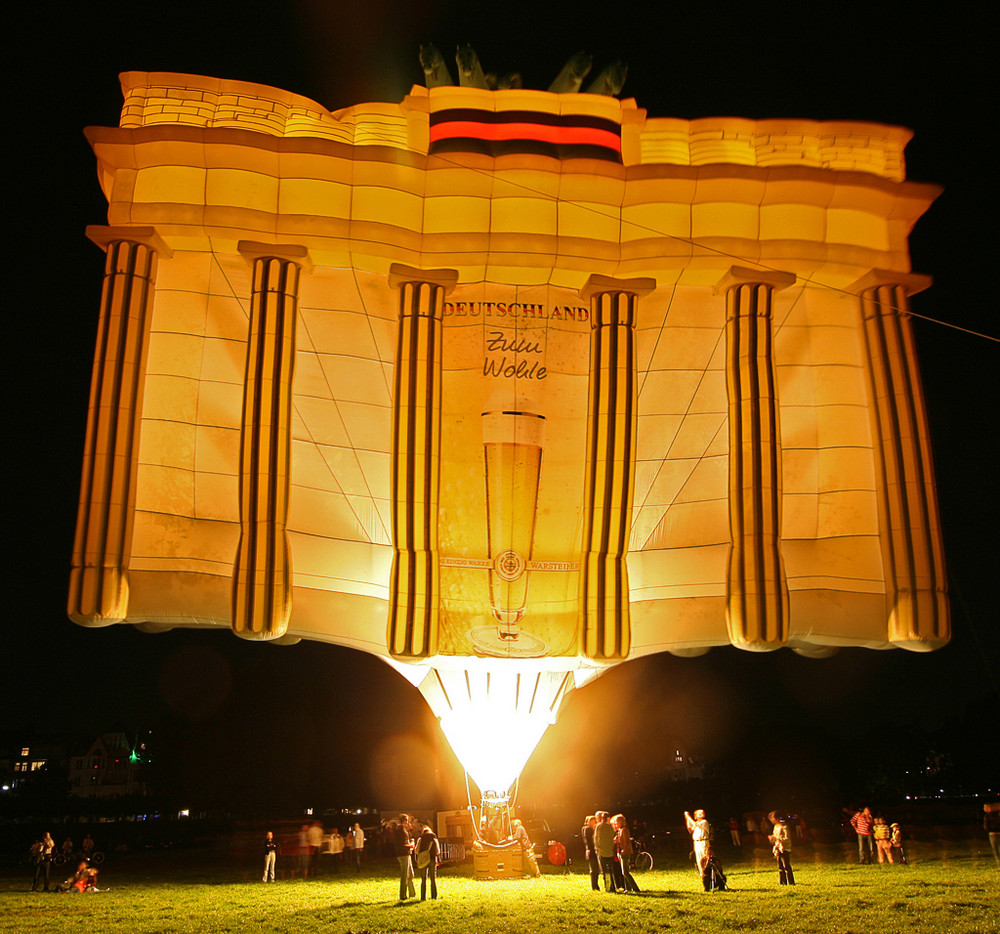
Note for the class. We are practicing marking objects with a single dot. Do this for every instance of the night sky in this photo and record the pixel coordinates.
(315, 717)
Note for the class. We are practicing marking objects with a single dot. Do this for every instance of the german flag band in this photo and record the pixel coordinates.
(496, 133)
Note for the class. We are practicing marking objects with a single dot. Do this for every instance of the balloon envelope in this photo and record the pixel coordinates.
(506, 386)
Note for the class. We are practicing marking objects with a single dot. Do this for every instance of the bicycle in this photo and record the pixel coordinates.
(642, 861)
(95, 858)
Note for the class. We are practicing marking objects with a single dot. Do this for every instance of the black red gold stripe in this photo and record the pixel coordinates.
(563, 136)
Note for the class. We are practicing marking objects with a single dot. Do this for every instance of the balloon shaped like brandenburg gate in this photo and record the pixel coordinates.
(505, 387)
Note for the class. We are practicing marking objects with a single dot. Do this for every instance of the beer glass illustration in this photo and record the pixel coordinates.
(513, 436)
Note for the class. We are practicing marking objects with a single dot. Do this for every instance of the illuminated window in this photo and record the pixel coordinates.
(25, 751)
(37, 764)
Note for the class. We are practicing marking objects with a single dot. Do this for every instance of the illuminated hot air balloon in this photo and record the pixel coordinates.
(505, 387)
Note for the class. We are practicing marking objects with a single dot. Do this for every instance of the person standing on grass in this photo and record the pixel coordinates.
(623, 843)
(700, 832)
(604, 842)
(590, 851)
(42, 853)
(302, 842)
(314, 838)
(337, 848)
(883, 839)
(270, 856)
(426, 852)
(991, 824)
(896, 841)
(359, 845)
(863, 823)
(402, 846)
(781, 846)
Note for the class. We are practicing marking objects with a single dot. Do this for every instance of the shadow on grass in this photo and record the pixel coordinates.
(659, 893)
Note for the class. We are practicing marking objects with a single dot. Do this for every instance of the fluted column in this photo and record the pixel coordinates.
(262, 571)
(612, 416)
(909, 525)
(414, 584)
(756, 589)
(99, 591)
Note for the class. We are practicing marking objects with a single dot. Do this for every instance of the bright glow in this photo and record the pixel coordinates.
(494, 744)
(494, 713)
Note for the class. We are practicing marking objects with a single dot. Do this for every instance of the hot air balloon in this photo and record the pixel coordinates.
(505, 387)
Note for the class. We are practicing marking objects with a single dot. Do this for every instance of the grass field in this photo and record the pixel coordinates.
(953, 891)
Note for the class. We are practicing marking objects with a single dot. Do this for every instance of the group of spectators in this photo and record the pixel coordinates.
(875, 835)
(712, 877)
(608, 847)
(313, 845)
(43, 853)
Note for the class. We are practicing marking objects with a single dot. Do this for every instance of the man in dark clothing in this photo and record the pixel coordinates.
(403, 848)
(590, 851)
(42, 854)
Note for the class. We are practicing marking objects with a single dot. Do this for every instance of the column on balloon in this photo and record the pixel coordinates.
(99, 589)
(610, 465)
(262, 571)
(909, 526)
(756, 588)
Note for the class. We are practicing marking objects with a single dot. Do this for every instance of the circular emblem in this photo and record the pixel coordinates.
(509, 565)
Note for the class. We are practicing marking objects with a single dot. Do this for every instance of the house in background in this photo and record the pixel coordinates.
(111, 767)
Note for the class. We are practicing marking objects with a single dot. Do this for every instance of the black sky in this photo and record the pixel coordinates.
(923, 68)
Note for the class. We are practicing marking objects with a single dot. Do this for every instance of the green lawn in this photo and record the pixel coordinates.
(951, 890)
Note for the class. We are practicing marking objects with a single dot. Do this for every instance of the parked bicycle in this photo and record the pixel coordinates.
(642, 861)
(95, 858)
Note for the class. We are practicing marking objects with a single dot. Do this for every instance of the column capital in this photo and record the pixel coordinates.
(147, 236)
(912, 282)
(399, 275)
(744, 275)
(596, 284)
(251, 251)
